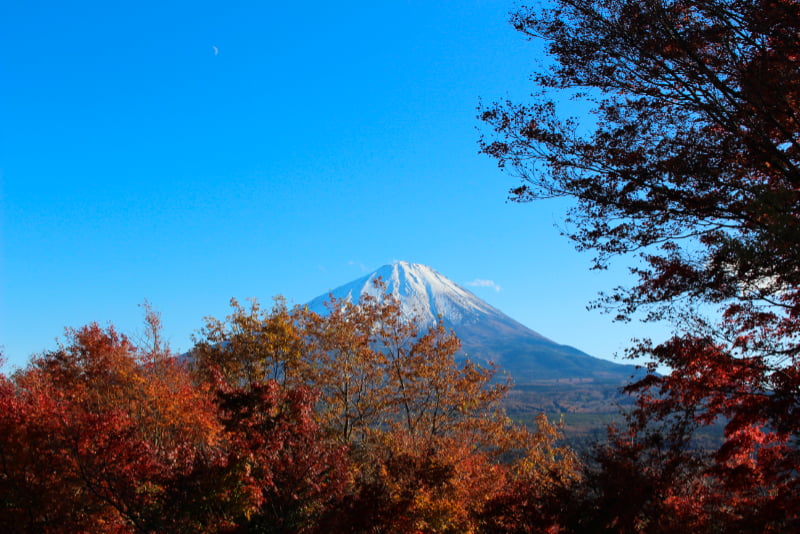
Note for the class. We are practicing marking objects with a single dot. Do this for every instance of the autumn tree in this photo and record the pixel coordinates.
(378, 370)
(281, 421)
(95, 435)
(251, 345)
(427, 441)
(423, 428)
(691, 164)
(283, 471)
(281, 467)
(373, 368)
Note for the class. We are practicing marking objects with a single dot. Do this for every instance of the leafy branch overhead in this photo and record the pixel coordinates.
(691, 163)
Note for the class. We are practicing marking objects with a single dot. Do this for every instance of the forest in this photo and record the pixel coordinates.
(284, 420)
(278, 420)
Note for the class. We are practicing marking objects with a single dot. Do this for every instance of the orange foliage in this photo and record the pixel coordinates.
(291, 422)
(91, 438)
(429, 446)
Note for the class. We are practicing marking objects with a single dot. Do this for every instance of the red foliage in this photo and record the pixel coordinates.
(102, 436)
(90, 440)
(286, 469)
(691, 161)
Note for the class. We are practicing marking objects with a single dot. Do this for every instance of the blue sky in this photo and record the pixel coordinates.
(190, 152)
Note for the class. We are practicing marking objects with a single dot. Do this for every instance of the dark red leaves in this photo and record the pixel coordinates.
(692, 160)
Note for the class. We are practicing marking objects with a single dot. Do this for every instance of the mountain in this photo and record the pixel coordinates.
(486, 333)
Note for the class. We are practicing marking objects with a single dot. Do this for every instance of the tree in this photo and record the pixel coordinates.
(376, 370)
(691, 163)
(288, 422)
(278, 460)
(95, 435)
(251, 345)
(102, 436)
(427, 442)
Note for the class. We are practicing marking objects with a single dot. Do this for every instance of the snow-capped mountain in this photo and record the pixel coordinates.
(486, 333)
(422, 292)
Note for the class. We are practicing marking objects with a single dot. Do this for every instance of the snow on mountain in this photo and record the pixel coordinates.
(422, 292)
(486, 333)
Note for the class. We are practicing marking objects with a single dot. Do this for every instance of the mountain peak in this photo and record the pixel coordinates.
(423, 293)
(486, 333)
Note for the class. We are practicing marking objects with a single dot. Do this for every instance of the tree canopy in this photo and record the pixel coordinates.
(691, 163)
(278, 421)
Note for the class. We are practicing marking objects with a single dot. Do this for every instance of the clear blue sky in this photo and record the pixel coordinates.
(190, 152)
